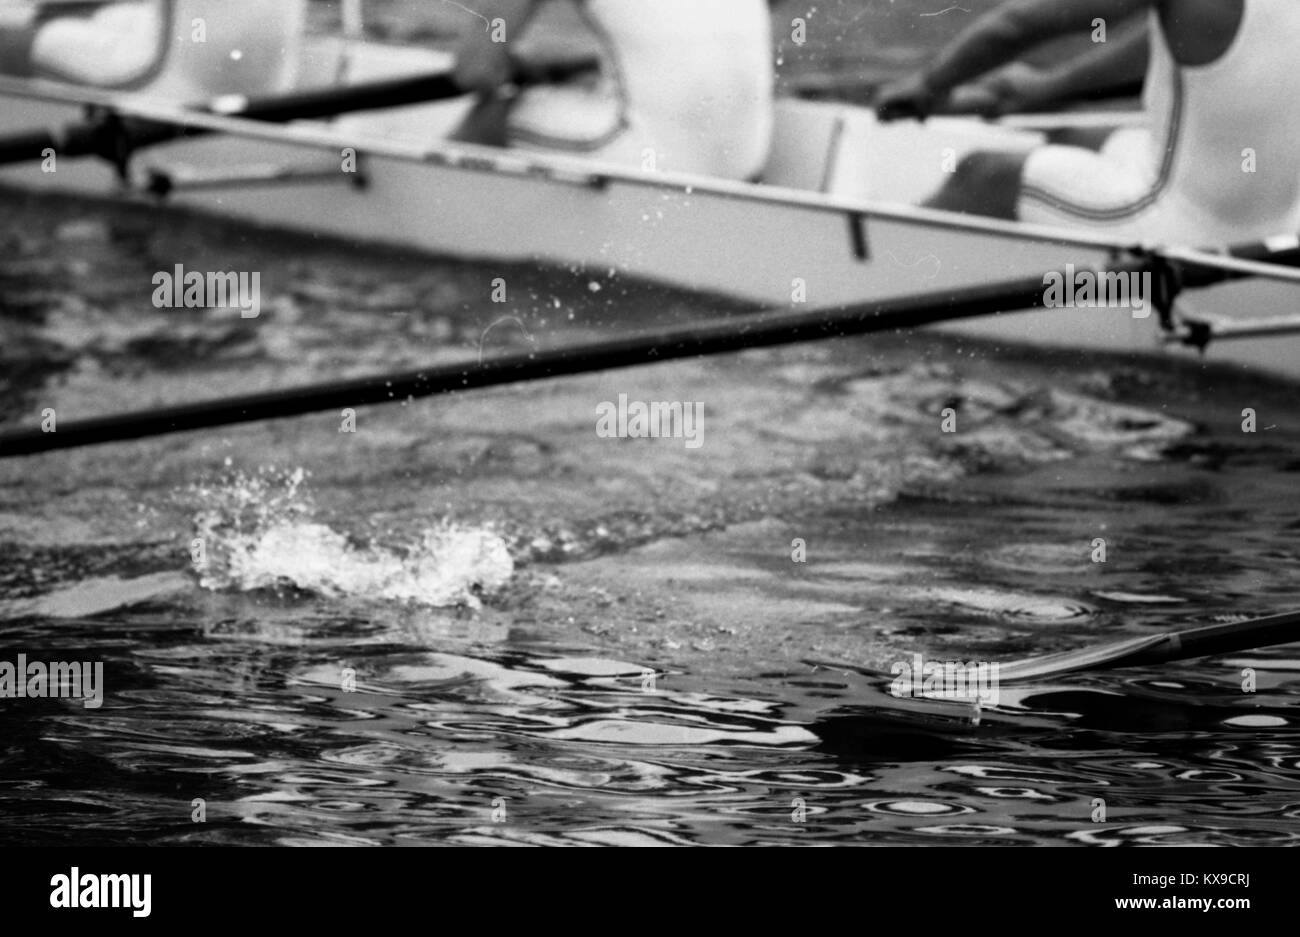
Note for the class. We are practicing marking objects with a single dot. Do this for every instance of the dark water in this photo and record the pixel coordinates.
(475, 621)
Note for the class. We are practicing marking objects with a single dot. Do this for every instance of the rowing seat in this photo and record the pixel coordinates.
(181, 50)
(113, 46)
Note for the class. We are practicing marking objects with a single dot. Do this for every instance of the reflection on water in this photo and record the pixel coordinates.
(509, 745)
(476, 621)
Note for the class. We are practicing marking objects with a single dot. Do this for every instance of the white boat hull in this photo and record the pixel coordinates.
(786, 241)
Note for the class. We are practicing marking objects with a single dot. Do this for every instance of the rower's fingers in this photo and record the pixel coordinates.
(909, 97)
(980, 99)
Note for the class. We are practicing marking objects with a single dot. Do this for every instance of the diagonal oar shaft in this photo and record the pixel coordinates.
(113, 140)
(1206, 641)
(712, 337)
(386, 93)
(718, 336)
(705, 338)
(99, 137)
(37, 144)
(1203, 641)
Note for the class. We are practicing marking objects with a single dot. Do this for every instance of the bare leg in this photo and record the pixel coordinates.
(486, 121)
(985, 183)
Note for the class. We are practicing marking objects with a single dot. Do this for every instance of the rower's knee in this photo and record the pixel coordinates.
(983, 183)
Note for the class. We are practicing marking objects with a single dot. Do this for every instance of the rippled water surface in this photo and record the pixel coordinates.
(475, 621)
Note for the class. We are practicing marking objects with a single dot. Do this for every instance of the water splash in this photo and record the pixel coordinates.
(257, 531)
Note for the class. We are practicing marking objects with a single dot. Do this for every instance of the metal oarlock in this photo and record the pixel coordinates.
(1167, 282)
(1176, 269)
(103, 133)
(1199, 330)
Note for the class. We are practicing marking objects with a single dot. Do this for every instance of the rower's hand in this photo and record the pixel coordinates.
(909, 97)
(974, 99)
(1016, 88)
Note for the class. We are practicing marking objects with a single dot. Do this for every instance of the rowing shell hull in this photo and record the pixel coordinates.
(814, 234)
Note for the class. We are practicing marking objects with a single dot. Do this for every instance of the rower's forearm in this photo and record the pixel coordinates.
(989, 43)
(1117, 63)
(1013, 29)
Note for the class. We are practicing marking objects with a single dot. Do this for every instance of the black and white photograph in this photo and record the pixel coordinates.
(645, 423)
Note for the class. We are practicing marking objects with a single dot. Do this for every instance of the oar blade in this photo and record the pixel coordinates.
(1096, 657)
(1144, 650)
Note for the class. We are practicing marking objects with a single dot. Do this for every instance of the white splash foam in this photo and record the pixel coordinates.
(257, 533)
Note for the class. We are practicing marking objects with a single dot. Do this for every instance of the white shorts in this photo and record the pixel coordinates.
(116, 45)
(1132, 194)
(1117, 188)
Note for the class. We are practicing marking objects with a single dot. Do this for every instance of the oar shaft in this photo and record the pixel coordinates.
(328, 102)
(312, 104)
(1274, 259)
(1205, 641)
(705, 338)
(1226, 638)
(21, 147)
(95, 138)
(394, 92)
(74, 140)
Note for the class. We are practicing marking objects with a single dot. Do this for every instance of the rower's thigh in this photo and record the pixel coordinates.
(117, 45)
(1067, 184)
(985, 183)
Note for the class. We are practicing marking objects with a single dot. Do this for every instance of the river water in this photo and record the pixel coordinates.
(476, 620)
